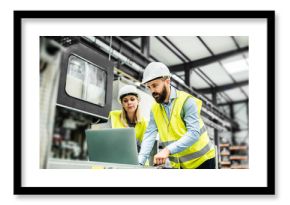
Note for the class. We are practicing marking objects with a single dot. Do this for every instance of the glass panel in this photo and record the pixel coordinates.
(75, 77)
(96, 85)
(86, 81)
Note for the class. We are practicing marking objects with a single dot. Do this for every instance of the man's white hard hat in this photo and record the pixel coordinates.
(127, 90)
(155, 70)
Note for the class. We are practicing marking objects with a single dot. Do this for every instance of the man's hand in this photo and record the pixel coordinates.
(161, 157)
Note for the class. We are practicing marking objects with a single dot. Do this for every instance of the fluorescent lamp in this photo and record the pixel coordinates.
(236, 66)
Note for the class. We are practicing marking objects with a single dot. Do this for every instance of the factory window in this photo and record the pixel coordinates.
(85, 81)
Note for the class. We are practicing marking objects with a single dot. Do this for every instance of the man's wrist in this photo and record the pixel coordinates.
(141, 160)
(169, 149)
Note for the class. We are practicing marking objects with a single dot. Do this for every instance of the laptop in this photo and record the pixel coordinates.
(117, 145)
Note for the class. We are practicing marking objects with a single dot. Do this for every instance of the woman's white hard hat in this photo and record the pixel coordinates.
(126, 90)
(155, 70)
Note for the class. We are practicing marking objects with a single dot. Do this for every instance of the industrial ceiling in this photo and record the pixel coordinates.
(212, 63)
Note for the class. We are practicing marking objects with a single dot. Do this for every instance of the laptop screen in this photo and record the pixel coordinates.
(117, 145)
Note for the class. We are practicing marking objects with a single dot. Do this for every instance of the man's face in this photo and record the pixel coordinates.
(158, 89)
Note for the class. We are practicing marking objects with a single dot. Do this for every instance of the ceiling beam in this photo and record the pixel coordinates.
(207, 60)
(129, 38)
(120, 45)
(145, 46)
(223, 87)
(234, 102)
(139, 47)
(169, 48)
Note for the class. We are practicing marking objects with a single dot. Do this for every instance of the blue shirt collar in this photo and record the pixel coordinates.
(172, 96)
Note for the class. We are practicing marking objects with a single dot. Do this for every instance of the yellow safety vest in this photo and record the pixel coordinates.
(171, 130)
(140, 127)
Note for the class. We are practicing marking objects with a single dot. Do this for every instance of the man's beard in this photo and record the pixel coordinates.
(160, 97)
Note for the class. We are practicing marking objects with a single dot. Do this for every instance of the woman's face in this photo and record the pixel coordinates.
(130, 103)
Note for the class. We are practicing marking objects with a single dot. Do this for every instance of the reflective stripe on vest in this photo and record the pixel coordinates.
(164, 144)
(194, 155)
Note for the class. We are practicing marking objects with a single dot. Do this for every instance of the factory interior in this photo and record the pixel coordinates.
(80, 77)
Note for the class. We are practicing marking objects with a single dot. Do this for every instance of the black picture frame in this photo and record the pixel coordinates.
(19, 189)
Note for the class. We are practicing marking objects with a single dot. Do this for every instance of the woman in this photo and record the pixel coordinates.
(129, 116)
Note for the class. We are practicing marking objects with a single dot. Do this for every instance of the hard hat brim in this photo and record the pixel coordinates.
(151, 79)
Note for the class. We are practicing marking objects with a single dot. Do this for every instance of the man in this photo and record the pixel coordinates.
(176, 117)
